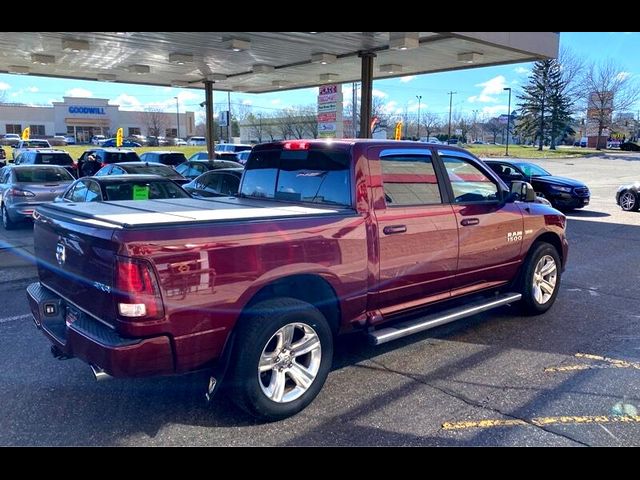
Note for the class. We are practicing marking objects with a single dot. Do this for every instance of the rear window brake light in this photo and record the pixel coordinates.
(296, 145)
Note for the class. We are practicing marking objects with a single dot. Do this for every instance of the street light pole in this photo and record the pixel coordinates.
(177, 118)
(506, 153)
(419, 97)
(451, 94)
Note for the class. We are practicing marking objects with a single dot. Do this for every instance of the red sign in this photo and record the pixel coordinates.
(327, 89)
(327, 117)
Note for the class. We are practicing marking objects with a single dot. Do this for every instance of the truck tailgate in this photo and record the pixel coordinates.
(76, 261)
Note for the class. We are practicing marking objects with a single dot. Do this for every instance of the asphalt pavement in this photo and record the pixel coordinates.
(570, 377)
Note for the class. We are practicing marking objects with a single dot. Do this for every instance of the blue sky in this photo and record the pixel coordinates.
(479, 89)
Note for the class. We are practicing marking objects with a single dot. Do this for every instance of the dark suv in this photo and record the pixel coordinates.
(165, 157)
(47, 156)
(105, 156)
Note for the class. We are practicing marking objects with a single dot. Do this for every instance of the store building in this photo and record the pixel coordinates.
(85, 117)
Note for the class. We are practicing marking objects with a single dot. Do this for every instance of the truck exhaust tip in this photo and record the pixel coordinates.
(99, 374)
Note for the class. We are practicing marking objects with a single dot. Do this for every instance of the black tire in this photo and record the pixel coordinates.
(7, 223)
(256, 333)
(633, 198)
(530, 305)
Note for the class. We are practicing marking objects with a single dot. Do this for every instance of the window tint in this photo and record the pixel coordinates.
(154, 190)
(317, 176)
(409, 180)
(103, 171)
(469, 184)
(118, 157)
(172, 158)
(229, 184)
(182, 169)
(79, 192)
(93, 192)
(54, 159)
(42, 175)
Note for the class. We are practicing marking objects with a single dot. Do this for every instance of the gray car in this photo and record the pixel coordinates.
(24, 187)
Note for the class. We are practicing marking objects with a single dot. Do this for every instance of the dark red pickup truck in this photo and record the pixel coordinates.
(323, 238)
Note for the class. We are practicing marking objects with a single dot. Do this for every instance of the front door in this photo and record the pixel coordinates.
(490, 231)
(417, 231)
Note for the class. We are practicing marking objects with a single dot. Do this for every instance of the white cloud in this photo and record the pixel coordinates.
(31, 89)
(17, 93)
(623, 76)
(490, 87)
(413, 107)
(78, 92)
(246, 101)
(407, 79)
(390, 107)
(494, 110)
(522, 71)
(276, 101)
(126, 102)
(4, 86)
(378, 93)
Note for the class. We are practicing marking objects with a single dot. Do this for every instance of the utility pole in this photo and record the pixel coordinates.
(475, 124)
(419, 97)
(177, 118)
(506, 153)
(451, 94)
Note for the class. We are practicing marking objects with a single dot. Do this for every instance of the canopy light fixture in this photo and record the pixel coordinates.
(18, 69)
(180, 58)
(106, 77)
(42, 59)
(236, 44)
(323, 58)
(139, 69)
(280, 83)
(328, 77)
(261, 68)
(469, 57)
(403, 40)
(391, 68)
(72, 45)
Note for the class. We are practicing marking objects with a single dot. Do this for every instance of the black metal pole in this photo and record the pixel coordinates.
(208, 98)
(365, 99)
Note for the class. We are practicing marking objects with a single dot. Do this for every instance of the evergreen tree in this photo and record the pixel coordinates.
(560, 103)
(534, 103)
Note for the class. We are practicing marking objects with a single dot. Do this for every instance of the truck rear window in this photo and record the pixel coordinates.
(315, 176)
(54, 159)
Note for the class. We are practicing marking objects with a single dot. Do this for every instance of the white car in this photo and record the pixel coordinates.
(197, 141)
(179, 142)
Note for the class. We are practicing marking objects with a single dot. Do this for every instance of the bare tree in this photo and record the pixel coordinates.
(284, 120)
(462, 123)
(431, 122)
(608, 88)
(377, 111)
(494, 127)
(155, 120)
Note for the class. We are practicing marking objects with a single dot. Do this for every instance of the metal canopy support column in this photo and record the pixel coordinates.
(367, 87)
(208, 98)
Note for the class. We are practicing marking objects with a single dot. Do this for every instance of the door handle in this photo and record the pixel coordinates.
(470, 221)
(391, 229)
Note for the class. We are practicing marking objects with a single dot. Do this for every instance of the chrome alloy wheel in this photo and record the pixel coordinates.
(545, 276)
(627, 200)
(289, 362)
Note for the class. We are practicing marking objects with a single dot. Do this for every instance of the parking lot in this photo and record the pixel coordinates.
(569, 377)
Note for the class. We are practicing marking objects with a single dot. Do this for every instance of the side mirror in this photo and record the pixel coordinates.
(523, 190)
(58, 199)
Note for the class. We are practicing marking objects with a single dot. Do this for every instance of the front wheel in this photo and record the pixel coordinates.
(629, 201)
(282, 356)
(540, 280)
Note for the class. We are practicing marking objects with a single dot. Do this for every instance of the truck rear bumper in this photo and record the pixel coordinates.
(77, 334)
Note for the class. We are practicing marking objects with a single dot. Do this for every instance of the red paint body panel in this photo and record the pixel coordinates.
(209, 270)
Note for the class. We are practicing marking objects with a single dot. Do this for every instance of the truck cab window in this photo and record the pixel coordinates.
(468, 182)
(409, 180)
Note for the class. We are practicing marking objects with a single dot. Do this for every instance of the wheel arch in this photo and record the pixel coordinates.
(554, 240)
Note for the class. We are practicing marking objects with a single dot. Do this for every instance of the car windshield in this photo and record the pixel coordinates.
(316, 176)
(531, 170)
(42, 175)
(144, 190)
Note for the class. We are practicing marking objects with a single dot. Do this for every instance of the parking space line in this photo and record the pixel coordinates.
(610, 363)
(542, 421)
(15, 318)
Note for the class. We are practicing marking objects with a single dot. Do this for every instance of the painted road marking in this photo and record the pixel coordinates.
(542, 421)
(610, 363)
(15, 318)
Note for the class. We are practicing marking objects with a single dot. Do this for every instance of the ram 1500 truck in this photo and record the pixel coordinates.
(323, 238)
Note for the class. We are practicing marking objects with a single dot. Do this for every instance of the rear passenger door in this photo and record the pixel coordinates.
(490, 231)
(416, 227)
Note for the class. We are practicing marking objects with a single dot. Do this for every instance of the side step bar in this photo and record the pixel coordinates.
(386, 334)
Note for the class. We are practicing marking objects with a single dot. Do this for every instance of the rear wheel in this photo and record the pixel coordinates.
(7, 223)
(540, 280)
(629, 201)
(282, 356)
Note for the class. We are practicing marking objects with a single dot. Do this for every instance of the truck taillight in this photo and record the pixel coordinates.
(137, 292)
(296, 145)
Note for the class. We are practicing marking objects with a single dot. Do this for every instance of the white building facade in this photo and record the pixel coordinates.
(85, 117)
